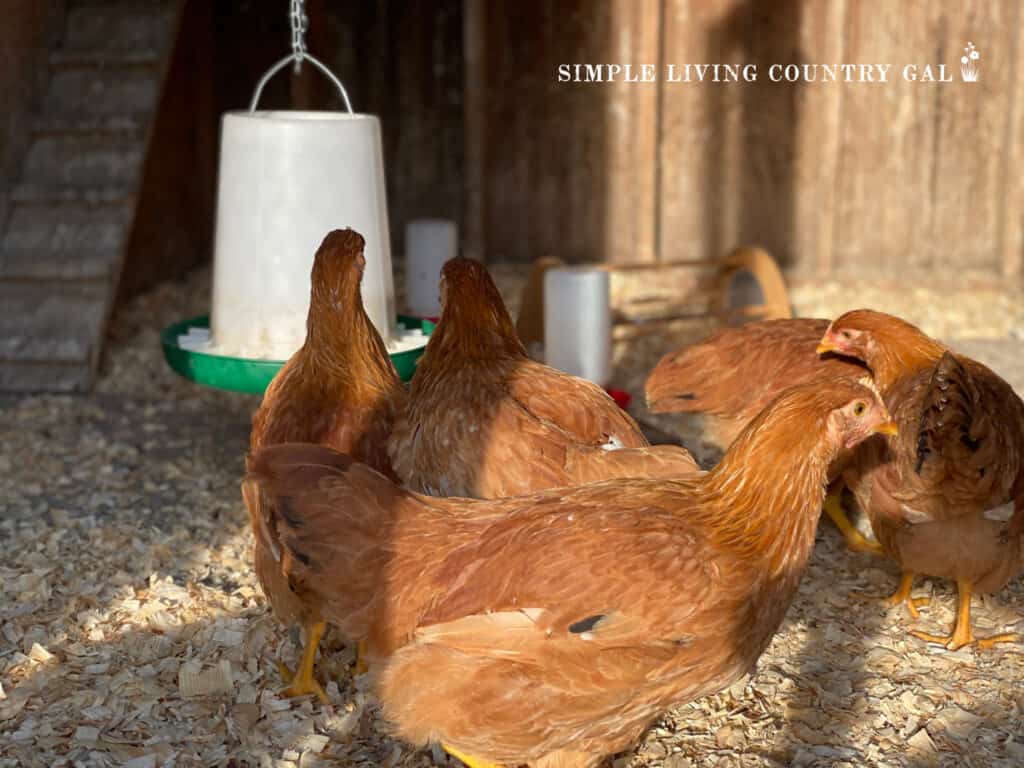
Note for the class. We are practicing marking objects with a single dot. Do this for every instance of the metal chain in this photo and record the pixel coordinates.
(300, 23)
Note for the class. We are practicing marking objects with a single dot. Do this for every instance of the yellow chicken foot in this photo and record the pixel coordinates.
(854, 539)
(361, 667)
(302, 681)
(902, 595)
(470, 762)
(963, 634)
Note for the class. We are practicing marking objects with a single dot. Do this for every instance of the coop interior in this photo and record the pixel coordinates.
(454, 382)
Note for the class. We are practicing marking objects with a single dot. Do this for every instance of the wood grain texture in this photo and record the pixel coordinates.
(891, 178)
(750, 161)
(172, 229)
(569, 167)
(922, 163)
(1012, 219)
(474, 126)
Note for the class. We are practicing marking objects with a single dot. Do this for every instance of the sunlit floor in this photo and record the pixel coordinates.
(134, 633)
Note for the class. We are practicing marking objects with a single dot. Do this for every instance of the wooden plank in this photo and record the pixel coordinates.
(631, 125)
(64, 242)
(886, 146)
(474, 111)
(816, 159)
(1011, 219)
(973, 144)
(25, 35)
(748, 161)
(569, 165)
(172, 228)
(921, 175)
(52, 322)
(44, 377)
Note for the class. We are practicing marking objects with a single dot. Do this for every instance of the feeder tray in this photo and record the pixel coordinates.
(240, 374)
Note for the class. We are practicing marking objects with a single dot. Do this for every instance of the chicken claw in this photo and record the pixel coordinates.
(855, 540)
(302, 682)
(963, 634)
(469, 762)
(901, 595)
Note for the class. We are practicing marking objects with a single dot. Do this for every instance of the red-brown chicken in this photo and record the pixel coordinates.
(339, 390)
(946, 496)
(485, 421)
(723, 382)
(551, 629)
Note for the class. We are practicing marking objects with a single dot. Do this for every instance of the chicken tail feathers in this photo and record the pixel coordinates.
(329, 515)
(949, 428)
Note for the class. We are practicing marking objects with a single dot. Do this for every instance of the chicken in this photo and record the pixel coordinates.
(339, 390)
(946, 496)
(550, 629)
(485, 421)
(723, 382)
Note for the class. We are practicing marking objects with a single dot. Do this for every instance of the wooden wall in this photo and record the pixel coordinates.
(172, 229)
(27, 29)
(838, 178)
(563, 168)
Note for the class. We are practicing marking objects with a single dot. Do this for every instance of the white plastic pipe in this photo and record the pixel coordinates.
(429, 243)
(578, 322)
(287, 179)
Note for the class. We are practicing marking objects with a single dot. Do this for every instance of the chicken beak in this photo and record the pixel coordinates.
(826, 345)
(887, 428)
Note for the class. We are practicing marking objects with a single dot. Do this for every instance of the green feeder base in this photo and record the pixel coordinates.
(244, 375)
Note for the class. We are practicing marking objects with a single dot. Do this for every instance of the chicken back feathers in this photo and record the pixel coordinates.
(556, 626)
(339, 390)
(941, 494)
(485, 421)
(727, 379)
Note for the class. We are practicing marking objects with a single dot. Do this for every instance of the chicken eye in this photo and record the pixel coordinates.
(846, 335)
(859, 408)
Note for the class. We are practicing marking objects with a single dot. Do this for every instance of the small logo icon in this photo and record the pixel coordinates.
(969, 63)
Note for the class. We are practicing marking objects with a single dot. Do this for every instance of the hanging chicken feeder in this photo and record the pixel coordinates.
(286, 178)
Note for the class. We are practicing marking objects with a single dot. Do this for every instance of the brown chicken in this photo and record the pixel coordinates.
(722, 383)
(485, 421)
(551, 629)
(339, 390)
(946, 496)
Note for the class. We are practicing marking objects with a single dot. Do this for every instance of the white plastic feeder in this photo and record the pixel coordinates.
(578, 322)
(286, 179)
(429, 243)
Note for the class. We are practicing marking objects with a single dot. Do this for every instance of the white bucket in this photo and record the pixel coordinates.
(578, 322)
(286, 179)
(429, 243)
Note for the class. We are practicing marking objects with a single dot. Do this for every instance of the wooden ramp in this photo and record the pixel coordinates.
(71, 209)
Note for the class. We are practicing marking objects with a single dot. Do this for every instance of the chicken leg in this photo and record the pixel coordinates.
(963, 634)
(854, 539)
(470, 762)
(303, 682)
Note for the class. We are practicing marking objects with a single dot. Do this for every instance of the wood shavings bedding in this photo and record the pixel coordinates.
(126, 569)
